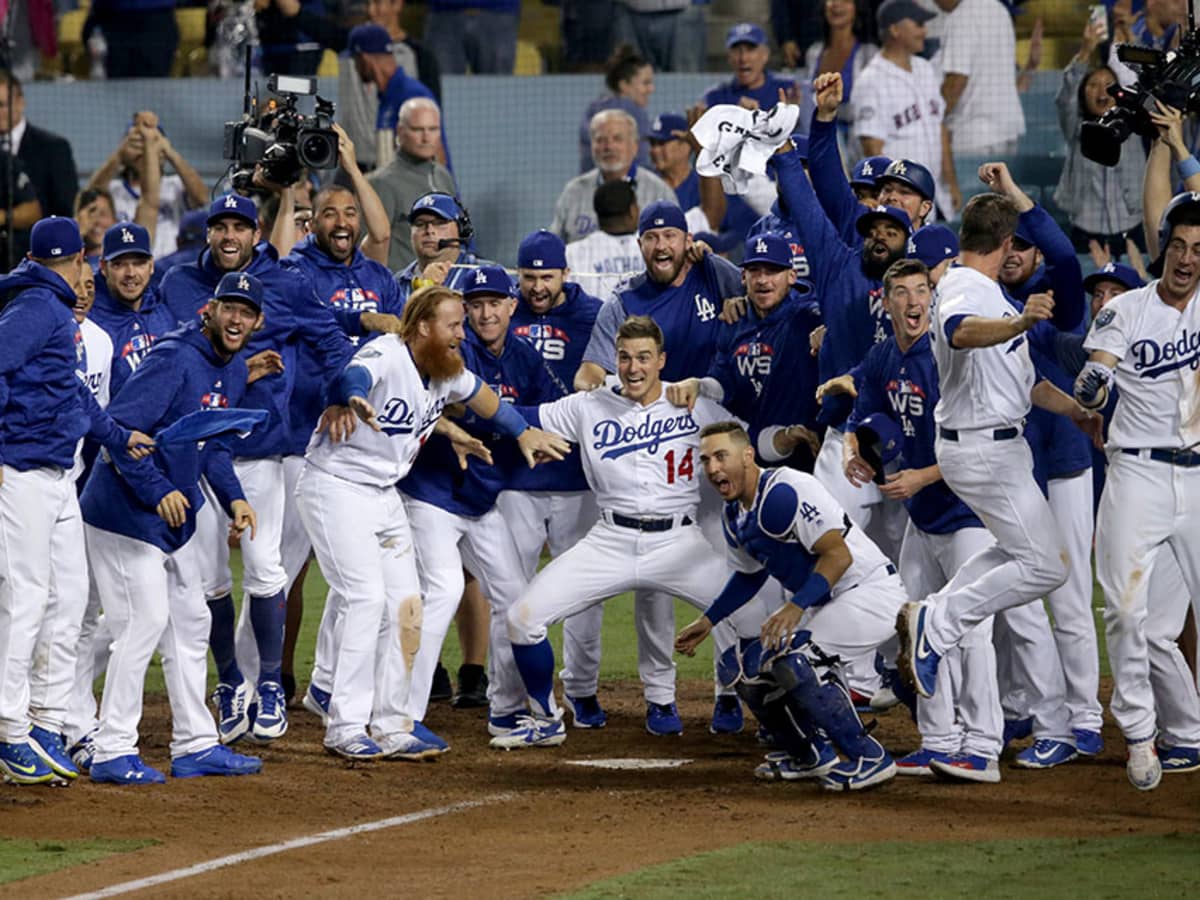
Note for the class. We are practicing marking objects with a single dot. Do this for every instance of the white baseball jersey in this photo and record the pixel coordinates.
(407, 411)
(639, 460)
(904, 109)
(172, 204)
(985, 387)
(1159, 352)
(600, 261)
(98, 354)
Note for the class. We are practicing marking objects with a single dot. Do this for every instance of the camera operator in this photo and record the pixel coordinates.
(441, 234)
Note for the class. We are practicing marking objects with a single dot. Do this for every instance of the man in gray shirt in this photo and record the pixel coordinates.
(614, 150)
(414, 172)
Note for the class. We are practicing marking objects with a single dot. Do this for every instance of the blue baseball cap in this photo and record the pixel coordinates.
(1122, 274)
(125, 238)
(439, 203)
(772, 249)
(894, 11)
(663, 125)
(233, 205)
(745, 33)
(915, 175)
(368, 38)
(835, 409)
(867, 171)
(240, 286)
(880, 442)
(871, 216)
(55, 237)
(542, 249)
(932, 244)
(490, 279)
(661, 214)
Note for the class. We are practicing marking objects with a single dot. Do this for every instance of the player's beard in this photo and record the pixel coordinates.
(873, 266)
(441, 361)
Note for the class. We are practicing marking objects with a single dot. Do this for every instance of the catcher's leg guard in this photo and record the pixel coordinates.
(823, 698)
(790, 728)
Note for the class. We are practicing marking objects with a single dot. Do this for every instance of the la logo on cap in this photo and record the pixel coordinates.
(900, 167)
(760, 246)
(243, 283)
(1109, 267)
(867, 170)
(912, 246)
(126, 236)
(481, 277)
(231, 202)
(427, 201)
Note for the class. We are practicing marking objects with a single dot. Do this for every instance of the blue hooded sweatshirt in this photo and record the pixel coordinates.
(132, 331)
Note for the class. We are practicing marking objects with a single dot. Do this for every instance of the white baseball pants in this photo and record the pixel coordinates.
(1175, 699)
(91, 660)
(1030, 673)
(152, 600)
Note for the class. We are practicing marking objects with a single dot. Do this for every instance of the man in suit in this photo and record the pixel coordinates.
(46, 157)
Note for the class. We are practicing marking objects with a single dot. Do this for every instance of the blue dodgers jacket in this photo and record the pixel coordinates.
(133, 332)
(180, 375)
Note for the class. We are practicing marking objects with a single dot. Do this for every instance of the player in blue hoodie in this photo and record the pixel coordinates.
(140, 528)
(45, 408)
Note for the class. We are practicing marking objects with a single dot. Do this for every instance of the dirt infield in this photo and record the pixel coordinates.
(545, 825)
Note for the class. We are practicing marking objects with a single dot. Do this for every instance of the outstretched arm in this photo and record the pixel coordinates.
(825, 160)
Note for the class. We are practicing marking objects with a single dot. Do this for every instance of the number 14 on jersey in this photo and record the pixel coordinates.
(684, 470)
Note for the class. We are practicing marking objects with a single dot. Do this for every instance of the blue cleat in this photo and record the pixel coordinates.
(1045, 754)
(1088, 743)
(782, 766)
(860, 774)
(407, 746)
(316, 701)
(270, 721)
(1017, 730)
(49, 746)
(125, 770)
(359, 748)
(500, 725)
(532, 732)
(20, 764)
(727, 716)
(662, 719)
(917, 762)
(233, 711)
(917, 662)
(216, 760)
(1179, 759)
(430, 738)
(966, 767)
(82, 751)
(586, 712)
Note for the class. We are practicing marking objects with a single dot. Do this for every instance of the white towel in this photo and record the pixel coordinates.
(737, 142)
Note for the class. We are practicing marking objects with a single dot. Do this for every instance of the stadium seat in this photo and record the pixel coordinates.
(329, 65)
(191, 21)
(72, 54)
(529, 59)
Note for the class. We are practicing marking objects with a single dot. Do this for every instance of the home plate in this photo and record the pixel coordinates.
(630, 763)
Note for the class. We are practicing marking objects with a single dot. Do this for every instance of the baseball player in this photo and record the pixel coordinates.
(639, 455)
(46, 410)
(937, 247)
(140, 523)
(610, 254)
(897, 390)
(551, 505)
(684, 299)
(291, 314)
(441, 233)
(455, 520)
(987, 381)
(398, 385)
(1145, 343)
(842, 593)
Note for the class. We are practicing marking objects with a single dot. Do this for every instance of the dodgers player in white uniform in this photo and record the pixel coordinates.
(987, 379)
(1147, 342)
(639, 455)
(398, 385)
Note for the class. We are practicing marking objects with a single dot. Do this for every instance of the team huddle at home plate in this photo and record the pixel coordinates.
(868, 456)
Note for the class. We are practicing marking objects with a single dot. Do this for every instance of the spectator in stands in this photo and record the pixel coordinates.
(481, 34)
(752, 85)
(843, 48)
(796, 28)
(1104, 204)
(46, 158)
(286, 46)
(122, 175)
(668, 33)
(413, 173)
(141, 36)
(611, 253)
(357, 102)
(190, 242)
(614, 148)
(1158, 25)
(979, 52)
(95, 213)
(587, 29)
(898, 107)
(23, 202)
(630, 82)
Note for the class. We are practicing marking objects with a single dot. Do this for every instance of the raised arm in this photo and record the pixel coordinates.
(379, 227)
(825, 160)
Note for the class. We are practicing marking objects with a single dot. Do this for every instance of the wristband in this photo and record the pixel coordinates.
(813, 592)
(508, 422)
(1188, 167)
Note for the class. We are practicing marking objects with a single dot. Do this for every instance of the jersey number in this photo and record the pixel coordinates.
(684, 471)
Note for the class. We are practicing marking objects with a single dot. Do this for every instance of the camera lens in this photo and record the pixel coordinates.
(318, 149)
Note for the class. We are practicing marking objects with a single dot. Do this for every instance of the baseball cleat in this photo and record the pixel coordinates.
(860, 774)
(82, 751)
(407, 746)
(917, 762)
(472, 690)
(532, 732)
(662, 719)
(216, 760)
(500, 725)
(358, 748)
(429, 737)
(1179, 759)
(966, 767)
(918, 662)
(271, 721)
(1143, 766)
(727, 716)
(586, 712)
(21, 765)
(1088, 743)
(316, 701)
(782, 766)
(1045, 753)
(1017, 730)
(49, 746)
(125, 770)
(233, 711)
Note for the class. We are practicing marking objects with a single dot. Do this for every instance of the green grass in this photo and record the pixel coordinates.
(22, 858)
(1061, 868)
